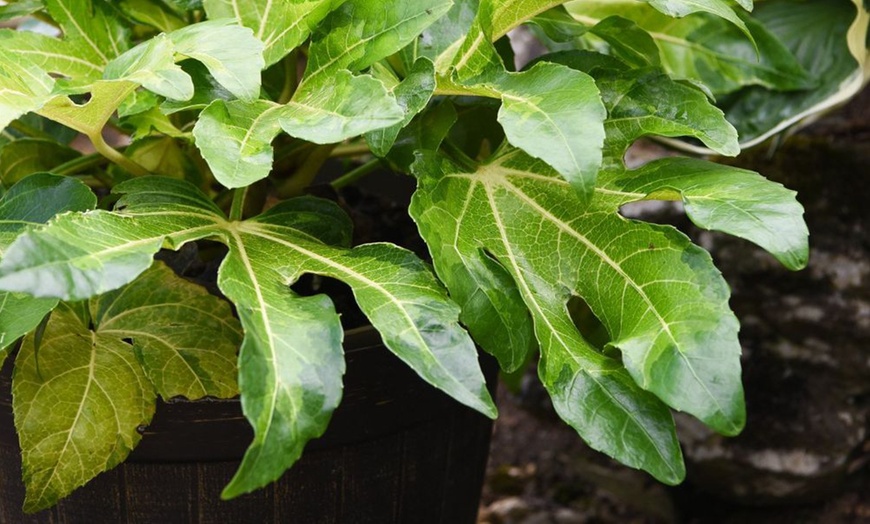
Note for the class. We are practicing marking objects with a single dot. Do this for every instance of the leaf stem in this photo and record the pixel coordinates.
(79, 164)
(459, 155)
(115, 156)
(355, 174)
(238, 206)
(356, 149)
(306, 172)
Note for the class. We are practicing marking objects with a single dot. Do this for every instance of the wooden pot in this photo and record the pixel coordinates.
(397, 451)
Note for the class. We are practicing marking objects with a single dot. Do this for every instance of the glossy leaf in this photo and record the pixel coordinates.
(493, 210)
(20, 313)
(362, 32)
(185, 339)
(235, 138)
(232, 54)
(102, 250)
(555, 113)
(342, 107)
(723, 198)
(152, 65)
(78, 403)
(707, 48)
(644, 101)
(720, 8)
(828, 38)
(412, 95)
(281, 26)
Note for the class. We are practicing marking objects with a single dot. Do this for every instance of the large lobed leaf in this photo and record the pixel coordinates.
(290, 363)
(81, 393)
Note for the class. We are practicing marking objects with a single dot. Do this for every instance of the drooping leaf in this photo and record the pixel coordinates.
(707, 48)
(232, 54)
(206, 90)
(720, 8)
(20, 313)
(26, 156)
(77, 405)
(281, 26)
(511, 218)
(185, 339)
(235, 138)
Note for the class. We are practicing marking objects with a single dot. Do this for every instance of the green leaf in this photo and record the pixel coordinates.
(235, 138)
(185, 339)
(152, 12)
(362, 32)
(20, 8)
(645, 101)
(206, 90)
(20, 313)
(724, 198)
(707, 48)
(66, 57)
(343, 106)
(232, 54)
(555, 113)
(816, 32)
(395, 289)
(77, 256)
(165, 156)
(530, 224)
(281, 26)
(92, 26)
(26, 156)
(152, 65)
(413, 94)
(78, 402)
(507, 14)
(23, 87)
(720, 8)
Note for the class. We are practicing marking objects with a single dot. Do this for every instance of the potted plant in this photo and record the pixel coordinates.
(209, 122)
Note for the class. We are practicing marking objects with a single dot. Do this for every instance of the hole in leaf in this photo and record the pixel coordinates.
(589, 326)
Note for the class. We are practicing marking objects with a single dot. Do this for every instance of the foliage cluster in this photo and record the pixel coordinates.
(231, 107)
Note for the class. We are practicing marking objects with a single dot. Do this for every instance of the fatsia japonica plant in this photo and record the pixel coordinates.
(209, 120)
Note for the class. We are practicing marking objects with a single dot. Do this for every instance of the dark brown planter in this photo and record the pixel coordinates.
(397, 451)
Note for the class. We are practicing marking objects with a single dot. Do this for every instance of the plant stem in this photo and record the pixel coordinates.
(238, 207)
(306, 172)
(115, 156)
(290, 77)
(459, 155)
(356, 174)
(79, 164)
(359, 148)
